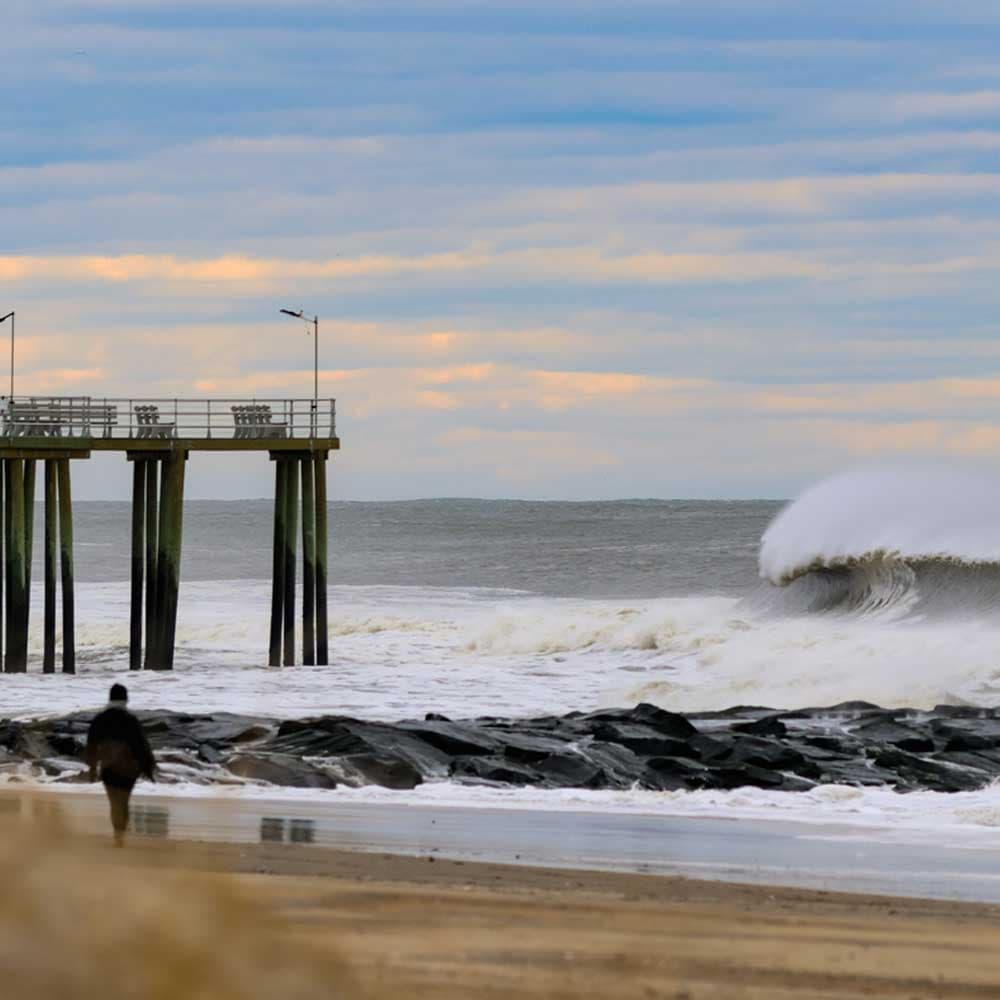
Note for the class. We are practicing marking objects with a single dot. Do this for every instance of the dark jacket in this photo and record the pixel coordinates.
(118, 749)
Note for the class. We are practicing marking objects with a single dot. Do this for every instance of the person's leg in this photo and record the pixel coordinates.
(118, 799)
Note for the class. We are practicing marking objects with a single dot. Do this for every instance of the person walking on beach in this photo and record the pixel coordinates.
(118, 752)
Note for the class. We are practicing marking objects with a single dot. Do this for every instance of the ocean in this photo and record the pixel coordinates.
(879, 585)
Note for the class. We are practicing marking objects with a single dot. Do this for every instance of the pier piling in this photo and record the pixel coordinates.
(138, 539)
(66, 564)
(17, 638)
(152, 545)
(319, 465)
(308, 563)
(169, 558)
(4, 532)
(51, 559)
(291, 530)
(29, 539)
(278, 567)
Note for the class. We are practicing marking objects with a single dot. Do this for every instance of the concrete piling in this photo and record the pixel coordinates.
(291, 531)
(308, 563)
(17, 638)
(319, 466)
(277, 567)
(66, 564)
(169, 559)
(138, 540)
(51, 561)
(29, 534)
(152, 533)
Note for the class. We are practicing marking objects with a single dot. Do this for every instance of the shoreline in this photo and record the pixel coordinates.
(422, 927)
(820, 856)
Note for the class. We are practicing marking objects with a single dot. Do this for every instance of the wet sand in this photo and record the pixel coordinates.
(416, 927)
(412, 926)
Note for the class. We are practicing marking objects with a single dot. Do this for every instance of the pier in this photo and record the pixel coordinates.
(158, 436)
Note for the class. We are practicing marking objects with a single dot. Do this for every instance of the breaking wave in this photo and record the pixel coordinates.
(896, 541)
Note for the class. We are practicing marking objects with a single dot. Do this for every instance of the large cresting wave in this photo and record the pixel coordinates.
(897, 540)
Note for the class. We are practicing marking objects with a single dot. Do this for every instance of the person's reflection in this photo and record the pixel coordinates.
(272, 830)
(150, 821)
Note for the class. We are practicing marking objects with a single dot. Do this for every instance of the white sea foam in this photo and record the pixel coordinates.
(401, 651)
(906, 512)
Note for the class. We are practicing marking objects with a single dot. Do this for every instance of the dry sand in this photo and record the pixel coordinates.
(412, 927)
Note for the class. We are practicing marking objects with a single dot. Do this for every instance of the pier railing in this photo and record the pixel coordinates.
(93, 417)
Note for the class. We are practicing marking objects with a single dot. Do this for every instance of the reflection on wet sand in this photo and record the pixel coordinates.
(279, 830)
(150, 821)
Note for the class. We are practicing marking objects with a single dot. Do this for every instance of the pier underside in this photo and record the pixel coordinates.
(158, 453)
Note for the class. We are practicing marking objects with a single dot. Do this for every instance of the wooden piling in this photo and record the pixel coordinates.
(308, 563)
(17, 643)
(51, 561)
(66, 562)
(277, 567)
(152, 534)
(8, 529)
(322, 651)
(17, 638)
(138, 526)
(291, 525)
(169, 558)
(4, 531)
(29, 535)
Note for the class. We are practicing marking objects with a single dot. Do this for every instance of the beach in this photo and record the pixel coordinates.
(421, 923)
(418, 926)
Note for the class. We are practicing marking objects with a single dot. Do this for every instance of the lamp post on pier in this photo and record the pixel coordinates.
(3, 319)
(314, 422)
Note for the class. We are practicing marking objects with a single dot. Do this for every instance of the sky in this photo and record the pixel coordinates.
(684, 248)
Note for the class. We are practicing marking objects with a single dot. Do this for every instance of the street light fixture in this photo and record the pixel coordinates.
(3, 319)
(315, 325)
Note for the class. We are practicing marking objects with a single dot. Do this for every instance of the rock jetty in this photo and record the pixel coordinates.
(947, 749)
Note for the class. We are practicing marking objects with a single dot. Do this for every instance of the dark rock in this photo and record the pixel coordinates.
(739, 776)
(279, 769)
(622, 768)
(389, 772)
(673, 774)
(208, 753)
(967, 734)
(641, 739)
(862, 773)
(854, 743)
(770, 725)
(880, 730)
(452, 737)
(337, 736)
(667, 723)
(711, 748)
(494, 770)
(919, 772)
(736, 712)
(569, 770)
(528, 749)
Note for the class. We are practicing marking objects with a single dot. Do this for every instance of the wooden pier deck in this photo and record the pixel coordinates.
(158, 435)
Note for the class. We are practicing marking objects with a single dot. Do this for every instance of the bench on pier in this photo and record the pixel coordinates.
(255, 420)
(54, 419)
(148, 419)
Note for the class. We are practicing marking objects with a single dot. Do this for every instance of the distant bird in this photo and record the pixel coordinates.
(118, 752)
